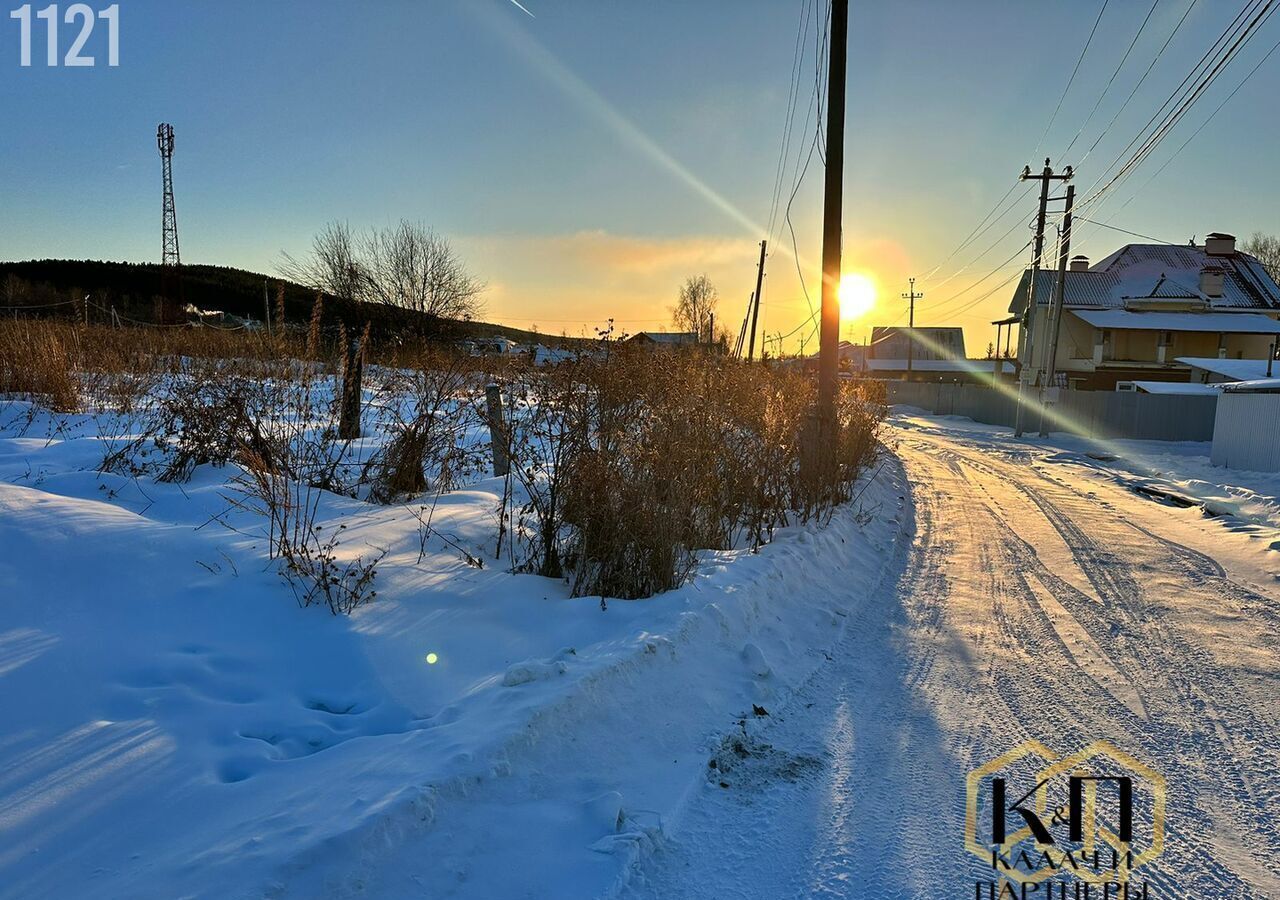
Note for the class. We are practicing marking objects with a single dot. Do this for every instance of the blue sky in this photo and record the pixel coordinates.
(550, 148)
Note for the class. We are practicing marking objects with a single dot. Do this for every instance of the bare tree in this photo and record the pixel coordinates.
(696, 306)
(413, 266)
(1267, 248)
(407, 265)
(333, 267)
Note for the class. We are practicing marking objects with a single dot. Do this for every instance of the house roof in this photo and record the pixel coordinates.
(1223, 322)
(668, 337)
(1176, 387)
(1235, 369)
(1156, 271)
(1257, 386)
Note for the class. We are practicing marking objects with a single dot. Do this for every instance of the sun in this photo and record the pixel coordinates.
(857, 295)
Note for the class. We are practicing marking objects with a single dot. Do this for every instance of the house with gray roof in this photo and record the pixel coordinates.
(664, 340)
(1136, 314)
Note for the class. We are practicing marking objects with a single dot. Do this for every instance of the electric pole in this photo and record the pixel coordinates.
(832, 216)
(1049, 394)
(1045, 177)
(912, 296)
(742, 332)
(755, 310)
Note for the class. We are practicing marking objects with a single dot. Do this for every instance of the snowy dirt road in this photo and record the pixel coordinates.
(1036, 601)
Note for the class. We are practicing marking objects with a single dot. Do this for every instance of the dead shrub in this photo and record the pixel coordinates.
(424, 401)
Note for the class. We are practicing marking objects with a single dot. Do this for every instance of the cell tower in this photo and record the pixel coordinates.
(171, 259)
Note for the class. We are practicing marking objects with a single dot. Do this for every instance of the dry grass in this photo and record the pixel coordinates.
(626, 463)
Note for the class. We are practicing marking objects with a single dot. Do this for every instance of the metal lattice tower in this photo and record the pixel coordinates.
(171, 260)
(164, 140)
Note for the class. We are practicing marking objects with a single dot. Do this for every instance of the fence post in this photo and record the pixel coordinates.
(351, 394)
(497, 432)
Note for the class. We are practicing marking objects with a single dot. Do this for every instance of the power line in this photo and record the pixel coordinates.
(956, 296)
(1124, 231)
(1112, 79)
(1072, 79)
(998, 241)
(793, 99)
(1222, 52)
(1195, 133)
(1142, 80)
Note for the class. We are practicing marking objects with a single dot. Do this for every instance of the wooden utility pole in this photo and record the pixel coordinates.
(742, 332)
(1045, 177)
(266, 305)
(755, 309)
(832, 217)
(1049, 392)
(912, 296)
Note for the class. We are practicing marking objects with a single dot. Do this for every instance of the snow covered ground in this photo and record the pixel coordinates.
(793, 723)
(173, 724)
(1046, 595)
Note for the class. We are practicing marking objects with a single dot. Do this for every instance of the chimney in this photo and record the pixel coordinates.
(1211, 280)
(1219, 244)
(1080, 264)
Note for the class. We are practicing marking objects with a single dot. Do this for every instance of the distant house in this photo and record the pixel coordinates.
(1137, 314)
(927, 343)
(664, 340)
(936, 354)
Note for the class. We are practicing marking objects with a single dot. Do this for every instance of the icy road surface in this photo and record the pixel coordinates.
(1040, 600)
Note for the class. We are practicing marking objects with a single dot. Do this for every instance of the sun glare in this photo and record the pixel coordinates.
(857, 295)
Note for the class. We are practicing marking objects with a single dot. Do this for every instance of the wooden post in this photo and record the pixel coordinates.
(497, 431)
(352, 375)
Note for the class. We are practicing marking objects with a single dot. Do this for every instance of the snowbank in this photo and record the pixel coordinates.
(177, 726)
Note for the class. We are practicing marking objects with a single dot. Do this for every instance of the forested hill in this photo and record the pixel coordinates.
(131, 288)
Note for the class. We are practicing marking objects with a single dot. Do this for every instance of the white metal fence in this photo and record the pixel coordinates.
(1099, 414)
(1246, 434)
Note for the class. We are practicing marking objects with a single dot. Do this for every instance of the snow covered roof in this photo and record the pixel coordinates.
(667, 337)
(1176, 387)
(1229, 323)
(1257, 386)
(1160, 272)
(1235, 369)
(974, 366)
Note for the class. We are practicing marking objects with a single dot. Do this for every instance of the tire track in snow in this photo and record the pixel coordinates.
(1174, 667)
(966, 662)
